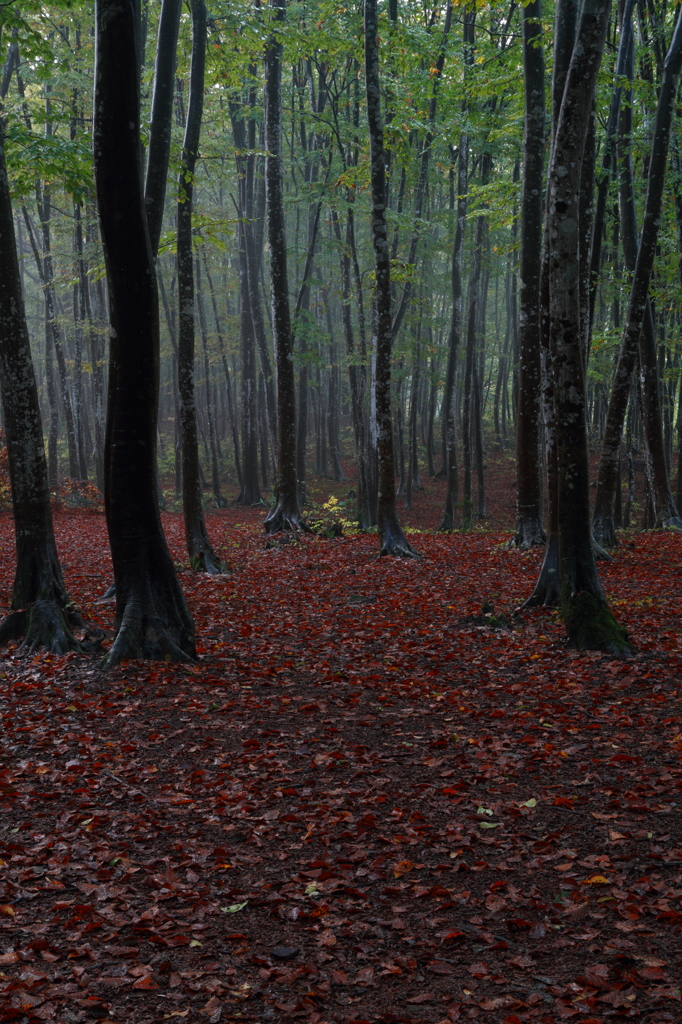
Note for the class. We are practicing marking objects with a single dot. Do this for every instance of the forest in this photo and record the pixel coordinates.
(340, 490)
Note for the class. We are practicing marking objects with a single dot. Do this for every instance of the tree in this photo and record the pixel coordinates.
(286, 514)
(199, 548)
(392, 540)
(588, 620)
(529, 529)
(638, 335)
(41, 610)
(151, 615)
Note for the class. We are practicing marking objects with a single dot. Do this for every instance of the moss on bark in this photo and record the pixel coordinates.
(591, 626)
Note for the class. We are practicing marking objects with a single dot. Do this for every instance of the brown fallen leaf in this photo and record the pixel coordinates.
(423, 997)
(327, 938)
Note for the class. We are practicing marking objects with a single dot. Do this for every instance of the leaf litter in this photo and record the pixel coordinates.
(349, 811)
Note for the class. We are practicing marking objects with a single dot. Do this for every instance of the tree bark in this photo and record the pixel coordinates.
(162, 119)
(587, 618)
(152, 618)
(392, 540)
(286, 514)
(201, 554)
(529, 529)
(41, 610)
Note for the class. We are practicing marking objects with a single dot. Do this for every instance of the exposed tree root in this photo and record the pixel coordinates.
(284, 517)
(145, 632)
(394, 542)
(447, 524)
(547, 592)
(44, 625)
(600, 553)
(604, 531)
(529, 533)
(591, 626)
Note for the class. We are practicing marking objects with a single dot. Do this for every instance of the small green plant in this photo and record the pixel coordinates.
(331, 519)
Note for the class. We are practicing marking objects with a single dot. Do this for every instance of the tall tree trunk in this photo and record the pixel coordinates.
(199, 548)
(286, 513)
(529, 530)
(391, 537)
(587, 618)
(152, 618)
(41, 610)
(161, 119)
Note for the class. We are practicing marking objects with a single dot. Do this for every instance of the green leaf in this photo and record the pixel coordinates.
(234, 908)
(488, 824)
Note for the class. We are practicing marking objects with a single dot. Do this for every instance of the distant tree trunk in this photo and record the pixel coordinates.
(199, 548)
(152, 618)
(529, 530)
(41, 610)
(391, 537)
(355, 379)
(587, 618)
(455, 337)
(228, 380)
(286, 514)
(210, 418)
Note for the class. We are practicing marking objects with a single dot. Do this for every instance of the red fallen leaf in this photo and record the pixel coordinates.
(403, 867)
(453, 938)
(478, 970)
(423, 997)
(517, 924)
(596, 976)
(9, 958)
(145, 983)
(513, 1018)
(440, 967)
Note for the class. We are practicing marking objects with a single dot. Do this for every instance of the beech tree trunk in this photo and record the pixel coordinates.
(286, 515)
(588, 620)
(152, 618)
(199, 548)
(529, 530)
(392, 540)
(41, 610)
(161, 119)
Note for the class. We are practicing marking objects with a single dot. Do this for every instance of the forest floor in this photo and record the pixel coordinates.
(365, 803)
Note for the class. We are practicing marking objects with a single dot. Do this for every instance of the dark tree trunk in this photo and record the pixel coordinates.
(152, 617)
(449, 419)
(286, 514)
(547, 590)
(588, 620)
(41, 610)
(161, 119)
(199, 548)
(392, 540)
(529, 530)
